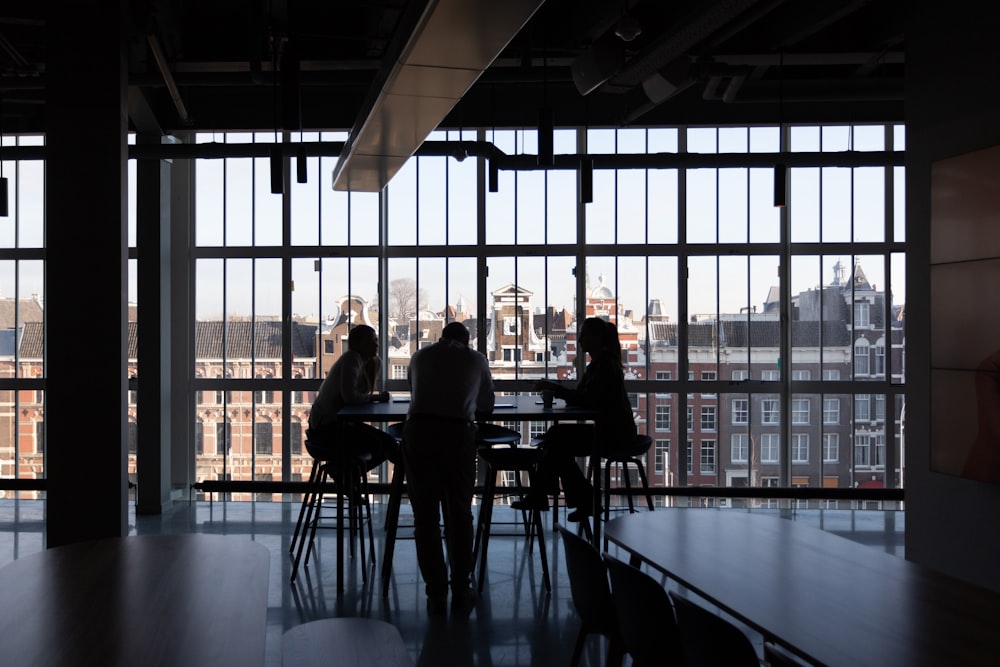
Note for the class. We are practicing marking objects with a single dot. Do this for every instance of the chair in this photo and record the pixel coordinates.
(588, 583)
(645, 616)
(507, 459)
(631, 455)
(350, 483)
(707, 639)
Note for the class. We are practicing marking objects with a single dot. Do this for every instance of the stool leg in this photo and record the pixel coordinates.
(308, 504)
(628, 486)
(391, 525)
(485, 519)
(302, 509)
(537, 520)
(645, 483)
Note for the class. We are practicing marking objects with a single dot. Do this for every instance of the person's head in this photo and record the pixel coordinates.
(457, 332)
(599, 338)
(363, 340)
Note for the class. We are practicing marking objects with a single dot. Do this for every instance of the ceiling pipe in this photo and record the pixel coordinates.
(168, 79)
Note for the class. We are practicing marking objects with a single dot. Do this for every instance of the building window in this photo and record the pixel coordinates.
(708, 376)
(662, 418)
(690, 418)
(861, 361)
(295, 437)
(328, 347)
(769, 448)
(831, 447)
(770, 376)
(862, 408)
(861, 319)
(262, 438)
(740, 448)
(400, 371)
(707, 457)
(133, 437)
(740, 375)
(880, 357)
(199, 438)
(219, 394)
(880, 407)
(222, 438)
(879, 439)
(708, 418)
(831, 410)
(664, 375)
(800, 448)
(40, 436)
(536, 429)
(661, 457)
(802, 376)
(862, 449)
(800, 410)
(633, 400)
(831, 375)
(770, 411)
(741, 411)
(690, 457)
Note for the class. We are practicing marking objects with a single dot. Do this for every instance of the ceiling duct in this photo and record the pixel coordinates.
(451, 45)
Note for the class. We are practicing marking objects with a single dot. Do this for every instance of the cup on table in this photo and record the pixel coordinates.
(547, 396)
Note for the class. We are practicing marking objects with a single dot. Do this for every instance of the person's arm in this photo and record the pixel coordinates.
(487, 393)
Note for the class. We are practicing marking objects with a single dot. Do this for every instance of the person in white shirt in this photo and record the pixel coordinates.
(450, 384)
(353, 380)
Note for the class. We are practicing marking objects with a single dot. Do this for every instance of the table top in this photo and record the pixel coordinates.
(831, 600)
(506, 408)
(165, 600)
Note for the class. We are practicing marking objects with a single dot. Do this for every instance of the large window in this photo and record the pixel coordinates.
(524, 263)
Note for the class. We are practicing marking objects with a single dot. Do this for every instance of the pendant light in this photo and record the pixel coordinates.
(780, 169)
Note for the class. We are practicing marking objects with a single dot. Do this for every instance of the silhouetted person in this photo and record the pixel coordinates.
(353, 380)
(602, 389)
(449, 383)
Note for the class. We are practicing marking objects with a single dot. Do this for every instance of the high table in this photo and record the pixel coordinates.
(506, 408)
(169, 600)
(828, 599)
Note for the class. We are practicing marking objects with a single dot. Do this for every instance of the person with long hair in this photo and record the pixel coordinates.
(602, 389)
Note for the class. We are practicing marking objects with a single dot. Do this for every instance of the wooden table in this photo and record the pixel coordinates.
(161, 600)
(828, 599)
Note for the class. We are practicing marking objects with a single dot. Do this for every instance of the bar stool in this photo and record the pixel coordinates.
(507, 459)
(631, 455)
(489, 434)
(350, 484)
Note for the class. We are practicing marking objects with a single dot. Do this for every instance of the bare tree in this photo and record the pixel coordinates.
(405, 299)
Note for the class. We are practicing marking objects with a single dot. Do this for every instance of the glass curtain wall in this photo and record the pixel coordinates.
(763, 345)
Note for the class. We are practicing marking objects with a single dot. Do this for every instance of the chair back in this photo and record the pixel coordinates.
(708, 639)
(645, 616)
(588, 584)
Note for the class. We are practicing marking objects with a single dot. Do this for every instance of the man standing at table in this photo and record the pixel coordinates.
(450, 383)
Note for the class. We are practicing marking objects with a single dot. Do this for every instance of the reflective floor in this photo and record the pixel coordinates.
(514, 623)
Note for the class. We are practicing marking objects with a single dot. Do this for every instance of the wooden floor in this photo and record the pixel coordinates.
(515, 623)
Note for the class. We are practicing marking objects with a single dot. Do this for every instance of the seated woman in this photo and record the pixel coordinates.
(602, 389)
(353, 380)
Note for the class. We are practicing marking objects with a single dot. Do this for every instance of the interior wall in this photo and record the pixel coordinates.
(952, 108)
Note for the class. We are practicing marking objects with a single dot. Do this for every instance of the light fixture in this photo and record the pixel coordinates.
(301, 170)
(585, 180)
(546, 128)
(3, 180)
(494, 176)
(276, 170)
(780, 183)
(780, 170)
